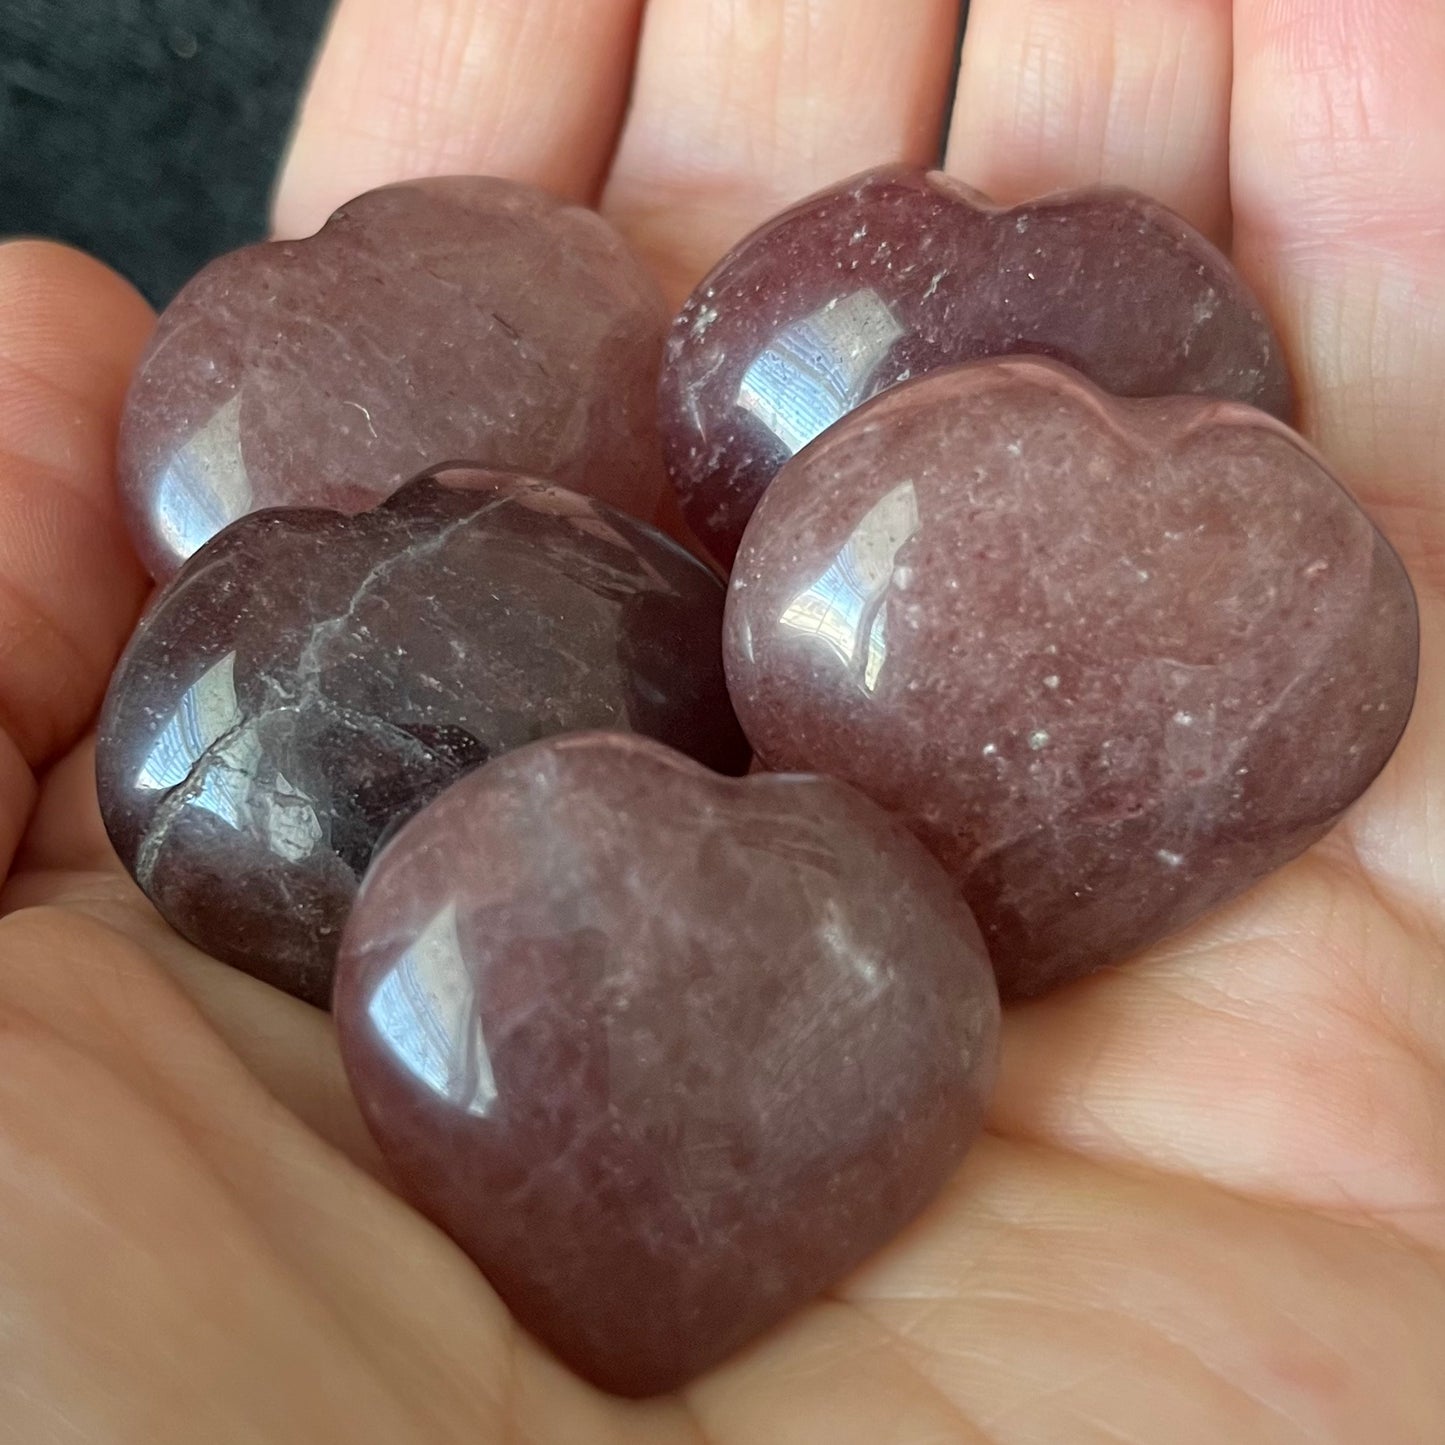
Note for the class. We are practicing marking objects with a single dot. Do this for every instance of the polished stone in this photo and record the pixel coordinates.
(899, 271)
(666, 1053)
(309, 679)
(1113, 660)
(426, 322)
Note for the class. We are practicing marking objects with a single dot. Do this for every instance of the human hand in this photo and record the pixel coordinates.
(1211, 1202)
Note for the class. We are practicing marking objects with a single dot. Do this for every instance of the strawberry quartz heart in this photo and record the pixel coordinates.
(462, 317)
(1112, 660)
(309, 680)
(899, 271)
(666, 1053)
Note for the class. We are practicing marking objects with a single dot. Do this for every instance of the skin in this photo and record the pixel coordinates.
(1210, 1205)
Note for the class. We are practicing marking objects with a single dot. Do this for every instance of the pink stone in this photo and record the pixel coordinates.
(309, 680)
(899, 271)
(1113, 660)
(666, 1053)
(433, 320)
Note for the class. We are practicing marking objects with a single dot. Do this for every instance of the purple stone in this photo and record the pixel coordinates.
(666, 1053)
(899, 271)
(309, 680)
(437, 319)
(1113, 660)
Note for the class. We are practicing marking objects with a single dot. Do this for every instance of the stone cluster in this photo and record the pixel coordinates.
(1045, 630)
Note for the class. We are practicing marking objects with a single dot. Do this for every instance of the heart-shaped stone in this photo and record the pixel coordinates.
(1113, 660)
(461, 317)
(899, 271)
(666, 1053)
(309, 679)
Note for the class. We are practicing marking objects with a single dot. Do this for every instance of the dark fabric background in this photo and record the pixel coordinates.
(148, 131)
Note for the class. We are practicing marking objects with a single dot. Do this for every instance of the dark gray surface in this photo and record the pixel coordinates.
(147, 131)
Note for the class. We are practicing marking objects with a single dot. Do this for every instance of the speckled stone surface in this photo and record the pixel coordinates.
(666, 1053)
(1113, 660)
(309, 680)
(431, 321)
(899, 271)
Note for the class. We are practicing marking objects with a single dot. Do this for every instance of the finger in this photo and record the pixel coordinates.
(1339, 201)
(70, 586)
(1060, 93)
(529, 89)
(1339, 198)
(741, 107)
(66, 834)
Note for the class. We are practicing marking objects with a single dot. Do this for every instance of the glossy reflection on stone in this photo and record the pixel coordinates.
(666, 1053)
(1113, 660)
(455, 317)
(899, 271)
(309, 680)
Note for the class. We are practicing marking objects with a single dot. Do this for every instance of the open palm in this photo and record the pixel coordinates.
(1211, 1202)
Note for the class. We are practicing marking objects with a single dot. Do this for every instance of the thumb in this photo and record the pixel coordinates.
(70, 586)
